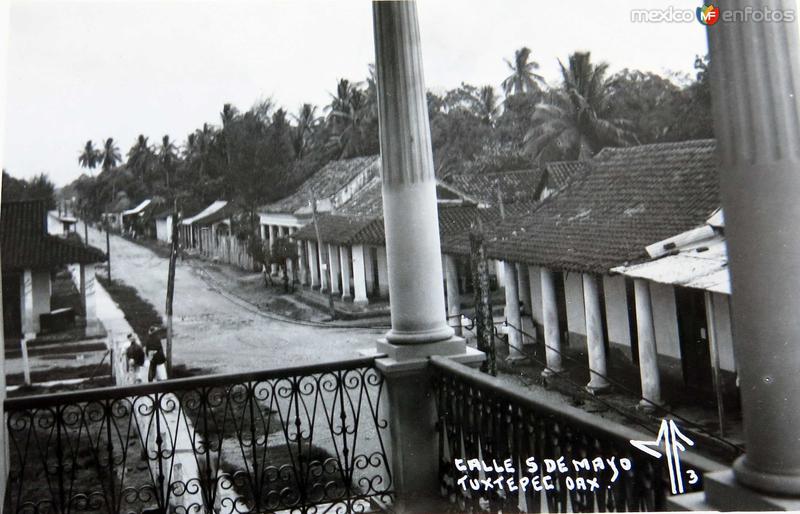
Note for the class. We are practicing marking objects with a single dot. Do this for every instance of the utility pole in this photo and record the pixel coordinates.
(173, 257)
(108, 250)
(325, 253)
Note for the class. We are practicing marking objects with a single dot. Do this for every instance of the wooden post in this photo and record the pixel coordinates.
(325, 254)
(108, 253)
(173, 256)
(484, 323)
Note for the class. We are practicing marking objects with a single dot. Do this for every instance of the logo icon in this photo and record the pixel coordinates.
(708, 14)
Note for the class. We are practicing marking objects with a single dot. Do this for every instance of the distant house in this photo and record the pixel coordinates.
(213, 221)
(163, 221)
(59, 224)
(29, 257)
(131, 219)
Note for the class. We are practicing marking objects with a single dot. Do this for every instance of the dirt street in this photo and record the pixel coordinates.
(218, 334)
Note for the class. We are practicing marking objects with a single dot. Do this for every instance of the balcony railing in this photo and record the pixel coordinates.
(482, 418)
(306, 439)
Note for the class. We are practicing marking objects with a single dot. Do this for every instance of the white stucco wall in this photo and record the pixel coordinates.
(617, 310)
(665, 320)
(573, 293)
(722, 317)
(164, 229)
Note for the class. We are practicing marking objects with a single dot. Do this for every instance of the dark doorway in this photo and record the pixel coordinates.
(693, 333)
(633, 328)
(12, 307)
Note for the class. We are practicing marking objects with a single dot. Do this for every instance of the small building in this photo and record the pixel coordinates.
(560, 258)
(131, 219)
(59, 224)
(30, 255)
(163, 221)
(212, 221)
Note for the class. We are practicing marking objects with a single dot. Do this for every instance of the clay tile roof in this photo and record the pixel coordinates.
(333, 228)
(559, 173)
(516, 185)
(325, 183)
(26, 244)
(628, 199)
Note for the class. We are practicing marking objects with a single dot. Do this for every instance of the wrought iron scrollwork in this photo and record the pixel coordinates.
(308, 439)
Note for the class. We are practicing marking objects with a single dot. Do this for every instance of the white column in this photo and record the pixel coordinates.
(552, 333)
(413, 255)
(263, 229)
(30, 324)
(302, 266)
(526, 318)
(273, 236)
(383, 273)
(313, 264)
(324, 269)
(513, 318)
(594, 335)
(648, 355)
(453, 296)
(499, 273)
(359, 275)
(333, 256)
(369, 270)
(344, 259)
(756, 105)
(90, 304)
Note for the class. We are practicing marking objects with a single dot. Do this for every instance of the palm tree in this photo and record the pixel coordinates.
(110, 158)
(302, 134)
(574, 121)
(167, 155)
(140, 156)
(486, 104)
(90, 157)
(523, 78)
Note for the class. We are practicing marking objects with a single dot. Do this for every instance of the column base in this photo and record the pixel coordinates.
(768, 483)
(598, 388)
(360, 301)
(516, 359)
(722, 492)
(549, 372)
(648, 406)
(436, 335)
(346, 297)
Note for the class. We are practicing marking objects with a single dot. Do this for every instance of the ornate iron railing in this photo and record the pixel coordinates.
(487, 422)
(306, 439)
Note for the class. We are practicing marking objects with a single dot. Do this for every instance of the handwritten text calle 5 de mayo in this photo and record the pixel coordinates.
(538, 477)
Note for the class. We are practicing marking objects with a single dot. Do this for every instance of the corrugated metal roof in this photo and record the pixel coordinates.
(211, 209)
(139, 208)
(700, 265)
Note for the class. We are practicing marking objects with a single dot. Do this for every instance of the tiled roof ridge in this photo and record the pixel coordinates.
(660, 146)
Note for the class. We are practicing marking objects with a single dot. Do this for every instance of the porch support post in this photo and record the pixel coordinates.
(513, 318)
(313, 264)
(526, 312)
(756, 102)
(344, 259)
(90, 302)
(594, 335)
(383, 273)
(419, 324)
(552, 333)
(302, 267)
(333, 257)
(453, 297)
(359, 275)
(30, 325)
(273, 236)
(324, 269)
(648, 355)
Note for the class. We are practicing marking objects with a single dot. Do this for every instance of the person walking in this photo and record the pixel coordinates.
(134, 356)
(155, 352)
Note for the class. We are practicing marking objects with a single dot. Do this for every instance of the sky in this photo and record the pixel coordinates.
(80, 70)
